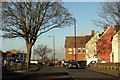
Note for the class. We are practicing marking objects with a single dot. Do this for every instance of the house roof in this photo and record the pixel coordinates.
(108, 32)
(11, 52)
(80, 41)
(87, 38)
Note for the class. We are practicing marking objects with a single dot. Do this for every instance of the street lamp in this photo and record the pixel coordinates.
(53, 45)
(75, 36)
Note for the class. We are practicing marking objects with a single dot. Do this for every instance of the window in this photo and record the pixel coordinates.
(73, 50)
(70, 51)
(84, 50)
(79, 50)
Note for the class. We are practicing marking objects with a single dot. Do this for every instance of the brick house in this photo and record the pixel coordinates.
(80, 47)
(104, 44)
(14, 55)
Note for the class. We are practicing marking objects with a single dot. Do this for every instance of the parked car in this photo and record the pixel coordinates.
(65, 63)
(90, 64)
(40, 63)
(90, 61)
(50, 63)
(82, 64)
(33, 62)
(73, 64)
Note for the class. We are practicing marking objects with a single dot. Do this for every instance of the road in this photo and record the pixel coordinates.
(60, 73)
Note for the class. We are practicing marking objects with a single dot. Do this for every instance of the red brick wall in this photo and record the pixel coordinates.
(79, 57)
(104, 45)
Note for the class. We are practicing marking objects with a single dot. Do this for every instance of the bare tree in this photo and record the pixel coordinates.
(108, 12)
(29, 20)
(42, 50)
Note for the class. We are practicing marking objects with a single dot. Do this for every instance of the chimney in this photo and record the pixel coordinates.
(105, 27)
(117, 27)
(92, 32)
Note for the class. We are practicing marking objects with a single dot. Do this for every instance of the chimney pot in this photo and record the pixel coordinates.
(92, 32)
(105, 27)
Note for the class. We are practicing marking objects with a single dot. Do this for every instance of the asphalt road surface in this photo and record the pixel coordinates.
(58, 73)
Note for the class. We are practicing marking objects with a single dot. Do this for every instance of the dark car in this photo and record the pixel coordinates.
(50, 63)
(82, 64)
(73, 64)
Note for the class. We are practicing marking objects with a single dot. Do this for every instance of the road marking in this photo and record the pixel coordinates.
(74, 78)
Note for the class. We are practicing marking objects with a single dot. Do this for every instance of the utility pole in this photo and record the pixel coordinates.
(75, 36)
(53, 45)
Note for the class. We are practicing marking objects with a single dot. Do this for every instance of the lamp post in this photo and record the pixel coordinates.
(53, 45)
(75, 36)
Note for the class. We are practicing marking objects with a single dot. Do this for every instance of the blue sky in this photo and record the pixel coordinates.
(83, 12)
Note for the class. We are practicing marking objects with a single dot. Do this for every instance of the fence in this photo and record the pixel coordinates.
(109, 68)
(13, 67)
(113, 66)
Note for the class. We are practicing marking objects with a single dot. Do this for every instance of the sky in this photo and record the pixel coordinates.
(83, 12)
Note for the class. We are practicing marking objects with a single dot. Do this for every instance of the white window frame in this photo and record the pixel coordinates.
(83, 50)
(78, 50)
(70, 51)
(73, 50)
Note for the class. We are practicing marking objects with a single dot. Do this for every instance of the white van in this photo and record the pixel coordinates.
(94, 60)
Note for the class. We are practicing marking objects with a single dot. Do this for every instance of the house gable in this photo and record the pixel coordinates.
(104, 46)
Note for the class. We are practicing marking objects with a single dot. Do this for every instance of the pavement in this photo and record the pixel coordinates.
(106, 71)
(18, 75)
(30, 69)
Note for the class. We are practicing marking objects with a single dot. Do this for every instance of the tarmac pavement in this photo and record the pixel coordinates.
(106, 71)
(18, 75)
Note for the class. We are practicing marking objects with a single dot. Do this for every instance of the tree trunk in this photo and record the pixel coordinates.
(29, 47)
